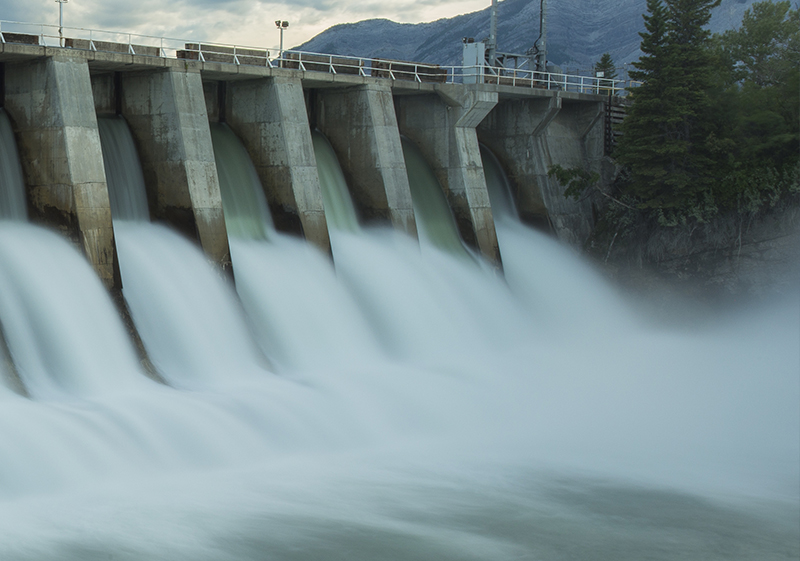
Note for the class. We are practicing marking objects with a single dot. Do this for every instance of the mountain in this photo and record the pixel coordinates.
(578, 32)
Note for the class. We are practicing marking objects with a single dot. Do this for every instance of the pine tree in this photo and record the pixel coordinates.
(606, 66)
(664, 136)
(605, 71)
(766, 48)
(765, 53)
(759, 98)
(641, 148)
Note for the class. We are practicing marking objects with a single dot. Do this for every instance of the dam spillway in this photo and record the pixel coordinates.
(395, 401)
(53, 94)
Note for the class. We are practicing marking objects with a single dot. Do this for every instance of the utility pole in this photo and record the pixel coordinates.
(61, 21)
(541, 55)
(491, 54)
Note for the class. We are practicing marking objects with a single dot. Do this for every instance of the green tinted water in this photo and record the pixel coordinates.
(243, 200)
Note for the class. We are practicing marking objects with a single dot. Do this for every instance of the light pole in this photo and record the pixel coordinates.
(61, 21)
(281, 24)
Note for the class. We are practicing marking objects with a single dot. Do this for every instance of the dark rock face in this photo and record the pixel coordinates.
(753, 260)
(764, 261)
(579, 31)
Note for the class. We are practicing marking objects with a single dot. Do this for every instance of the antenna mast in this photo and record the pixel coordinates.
(539, 49)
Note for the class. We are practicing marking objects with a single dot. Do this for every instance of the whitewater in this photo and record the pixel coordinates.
(399, 401)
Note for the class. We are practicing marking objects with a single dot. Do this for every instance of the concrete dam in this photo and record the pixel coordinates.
(53, 97)
(298, 310)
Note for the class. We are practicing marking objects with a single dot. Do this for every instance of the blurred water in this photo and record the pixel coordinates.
(187, 314)
(243, 201)
(435, 221)
(61, 327)
(412, 405)
(503, 206)
(536, 442)
(126, 189)
(339, 209)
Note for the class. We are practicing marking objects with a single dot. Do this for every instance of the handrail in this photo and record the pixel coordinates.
(165, 47)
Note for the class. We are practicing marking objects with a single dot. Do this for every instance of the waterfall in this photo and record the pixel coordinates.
(428, 307)
(435, 221)
(499, 189)
(12, 184)
(12, 207)
(188, 318)
(299, 313)
(339, 209)
(405, 404)
(62, 329)
(93, 414)
(126, 188)
(243, 201)
(555, 295)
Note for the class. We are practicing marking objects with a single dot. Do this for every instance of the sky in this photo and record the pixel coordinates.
(234, 22)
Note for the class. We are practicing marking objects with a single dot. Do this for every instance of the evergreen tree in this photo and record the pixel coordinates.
(641, 147)
(713, 129)
(766, 48)
(606, 72)
(760, 105)
(606, 66)
(664, 142)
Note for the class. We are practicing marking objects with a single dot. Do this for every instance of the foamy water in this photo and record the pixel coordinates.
(394, 402)
(530, 438)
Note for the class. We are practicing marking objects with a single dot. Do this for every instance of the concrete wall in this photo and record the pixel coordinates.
(530, 135)
(167, 115)
(270, 117)
(361, 125)
(105, 93)
(215, 94)
(443, 127)
(51, 105)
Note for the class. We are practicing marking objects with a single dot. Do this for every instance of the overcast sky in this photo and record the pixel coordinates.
(240, 22)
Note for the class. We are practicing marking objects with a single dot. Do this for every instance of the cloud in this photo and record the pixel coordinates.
(241, 22)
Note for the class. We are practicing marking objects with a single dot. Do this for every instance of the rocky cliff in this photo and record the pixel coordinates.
(579, 31)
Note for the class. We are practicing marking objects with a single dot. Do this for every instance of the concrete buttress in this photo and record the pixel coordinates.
(167, 115)
(361, 125)
(443, 127)
(50, 103)
(270, 117)
(528, 136)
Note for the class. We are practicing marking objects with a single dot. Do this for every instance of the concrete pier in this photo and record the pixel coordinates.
(270, 117)
(443, 126)
(50, 103)
(530, 135)
(361, 125)
(167, 116)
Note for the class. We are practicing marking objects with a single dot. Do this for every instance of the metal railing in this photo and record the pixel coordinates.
(522, 77)
(147, 45)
